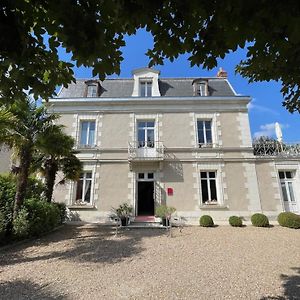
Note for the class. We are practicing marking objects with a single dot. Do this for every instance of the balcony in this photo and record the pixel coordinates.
(145, 151)
(276, 149)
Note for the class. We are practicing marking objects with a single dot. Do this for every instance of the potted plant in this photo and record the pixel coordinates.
(164, 212)
(124, 211)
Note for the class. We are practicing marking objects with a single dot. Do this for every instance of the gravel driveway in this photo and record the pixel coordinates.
(89, 262)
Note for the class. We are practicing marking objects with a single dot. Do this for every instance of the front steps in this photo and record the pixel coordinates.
(145, 222)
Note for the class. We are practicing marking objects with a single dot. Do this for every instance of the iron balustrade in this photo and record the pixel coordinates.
(276, 149)
(146, 150)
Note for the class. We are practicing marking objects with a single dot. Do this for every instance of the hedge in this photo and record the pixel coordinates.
(260, 220)
(206, 221)
(289, 219)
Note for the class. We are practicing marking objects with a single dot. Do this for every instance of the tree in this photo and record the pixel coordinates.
(55, 153)
(93, 31)
(21, 127)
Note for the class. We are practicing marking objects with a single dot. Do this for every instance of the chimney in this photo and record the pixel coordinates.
(222, 73)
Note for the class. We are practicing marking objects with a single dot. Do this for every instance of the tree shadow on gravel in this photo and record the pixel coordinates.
(25, 289)
(97, 244)
(291, 285)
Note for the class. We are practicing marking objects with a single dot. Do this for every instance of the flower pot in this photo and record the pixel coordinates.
(165, 222)
(124, 221)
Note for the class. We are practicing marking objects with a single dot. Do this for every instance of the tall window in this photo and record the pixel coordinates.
(146, 88)
(209, 187)
(87, 133)
(286, 181)
(145, 134)
(84, 187)
(92, 90)
(204, 132)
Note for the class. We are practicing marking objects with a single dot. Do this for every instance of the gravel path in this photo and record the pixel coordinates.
(88, 262)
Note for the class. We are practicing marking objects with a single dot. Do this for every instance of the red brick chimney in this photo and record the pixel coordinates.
(222, 73)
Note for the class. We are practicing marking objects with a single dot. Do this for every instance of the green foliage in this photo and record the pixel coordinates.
(42, 216)
(62, 211)
(259, 220)
(21, 224)
(236, 221)
(2, 225)
(32, 33)
(206, 221)
(164, 211)
(289, 219)
(124, 210)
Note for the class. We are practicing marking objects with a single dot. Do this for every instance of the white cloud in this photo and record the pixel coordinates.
(268, 130)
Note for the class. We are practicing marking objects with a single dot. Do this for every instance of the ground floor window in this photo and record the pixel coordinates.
(286, 182)
(209, 187)
(84, 188)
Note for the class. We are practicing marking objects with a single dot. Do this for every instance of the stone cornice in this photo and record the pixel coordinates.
(153, 104)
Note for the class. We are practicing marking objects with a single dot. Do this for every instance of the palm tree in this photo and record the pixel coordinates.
(22, 124)
(55, 153)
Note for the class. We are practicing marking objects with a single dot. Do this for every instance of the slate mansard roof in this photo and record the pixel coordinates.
(169, 87)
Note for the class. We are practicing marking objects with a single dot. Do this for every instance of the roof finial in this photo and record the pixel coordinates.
(222, 73)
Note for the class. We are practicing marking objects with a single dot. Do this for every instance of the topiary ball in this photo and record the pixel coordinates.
(289, 219)
(235, 221)
(206, 221)
(260, 220)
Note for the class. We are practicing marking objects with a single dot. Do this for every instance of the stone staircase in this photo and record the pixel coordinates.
(145, 222)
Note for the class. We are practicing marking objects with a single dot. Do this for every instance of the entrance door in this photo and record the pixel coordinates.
(287, 188)
(145, 201)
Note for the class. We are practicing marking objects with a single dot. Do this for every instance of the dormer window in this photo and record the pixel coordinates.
(92, 88)
(200, 87)
(145, 83)
(146, 88)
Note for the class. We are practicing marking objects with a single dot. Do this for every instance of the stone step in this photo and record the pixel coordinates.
(138, 224)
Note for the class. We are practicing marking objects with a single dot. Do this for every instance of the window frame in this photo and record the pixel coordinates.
(146, 129)
(87, 144)
(201, 88)
(285, 181)
(208, 180)
(205, 144)
(146, 82)
(95, 92)
(85, 179)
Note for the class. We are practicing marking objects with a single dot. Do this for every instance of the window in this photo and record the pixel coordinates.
(146, 88)
(92, 90)
(84, 187)
(204, 133)
(286, 182)
(146, 134)
(208, 187)
(201, 89)
(87, 133)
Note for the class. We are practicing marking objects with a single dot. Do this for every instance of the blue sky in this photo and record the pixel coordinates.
(264, 110)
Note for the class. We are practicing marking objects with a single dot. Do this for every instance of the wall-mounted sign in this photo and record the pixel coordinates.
(170, 191)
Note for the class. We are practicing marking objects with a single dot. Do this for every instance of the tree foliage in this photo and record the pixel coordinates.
(93, 31)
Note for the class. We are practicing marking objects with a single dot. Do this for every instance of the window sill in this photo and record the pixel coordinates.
(214, 206)
(87, 206)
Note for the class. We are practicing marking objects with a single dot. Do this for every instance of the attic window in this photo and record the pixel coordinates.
(146, 88)
(92, 90)
(201, 88)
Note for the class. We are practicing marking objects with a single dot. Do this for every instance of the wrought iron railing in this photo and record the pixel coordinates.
(277, 149)
(84, 146)
(145, 150)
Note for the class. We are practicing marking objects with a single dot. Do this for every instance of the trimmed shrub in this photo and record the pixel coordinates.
(206, 221)
(2, 225)
(260, 220)
(62, 211)
(21, 224)
(42, 216)
(235, 221)
(289, 219)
